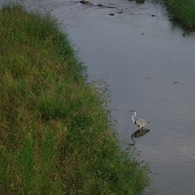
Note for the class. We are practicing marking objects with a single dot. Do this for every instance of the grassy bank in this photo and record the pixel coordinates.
(183, 11)
(55, 137)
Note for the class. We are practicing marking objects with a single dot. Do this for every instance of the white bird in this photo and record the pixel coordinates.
(139, 122)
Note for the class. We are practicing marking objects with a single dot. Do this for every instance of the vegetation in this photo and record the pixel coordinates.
(55, 136)
(182, 10)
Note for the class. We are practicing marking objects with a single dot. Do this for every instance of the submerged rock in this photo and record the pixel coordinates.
(140, 1)
(84, 1)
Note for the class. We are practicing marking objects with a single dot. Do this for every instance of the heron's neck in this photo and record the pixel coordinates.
(133, 117)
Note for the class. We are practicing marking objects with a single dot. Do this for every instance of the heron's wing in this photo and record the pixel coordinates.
(141, 121)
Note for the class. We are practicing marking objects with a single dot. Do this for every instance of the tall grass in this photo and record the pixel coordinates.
(55, 137)
(182, 10)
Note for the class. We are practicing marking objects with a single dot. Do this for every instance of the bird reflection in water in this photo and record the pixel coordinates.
(137, 134)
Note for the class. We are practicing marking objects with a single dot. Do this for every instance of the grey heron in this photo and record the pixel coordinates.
(139, 122)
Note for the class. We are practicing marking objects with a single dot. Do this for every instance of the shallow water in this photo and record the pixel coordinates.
(149, 66)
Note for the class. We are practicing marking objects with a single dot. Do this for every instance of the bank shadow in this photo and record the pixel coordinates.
(137, 134)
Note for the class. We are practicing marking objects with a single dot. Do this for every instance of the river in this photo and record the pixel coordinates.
(149, 65)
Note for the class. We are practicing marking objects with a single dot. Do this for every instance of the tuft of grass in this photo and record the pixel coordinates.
(182, 10)
(55, 136)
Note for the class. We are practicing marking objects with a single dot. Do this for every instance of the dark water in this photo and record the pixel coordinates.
(150, 67)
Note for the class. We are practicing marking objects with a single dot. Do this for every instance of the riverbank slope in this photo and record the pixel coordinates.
(55, 133)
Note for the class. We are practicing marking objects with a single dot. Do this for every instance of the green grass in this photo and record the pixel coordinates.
(183, 11)
(55, 136)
